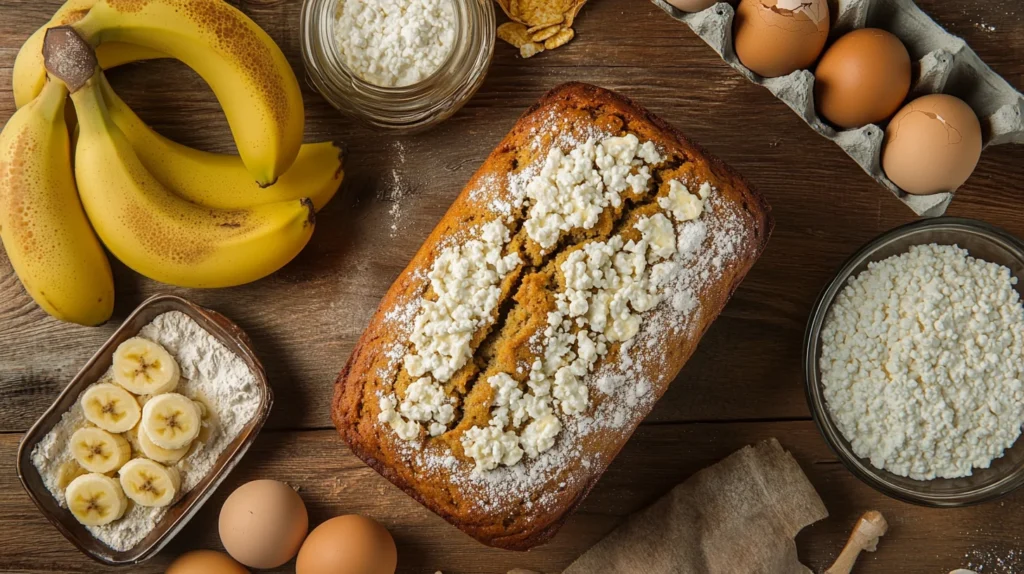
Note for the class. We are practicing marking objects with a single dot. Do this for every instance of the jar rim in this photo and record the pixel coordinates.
(404, 108)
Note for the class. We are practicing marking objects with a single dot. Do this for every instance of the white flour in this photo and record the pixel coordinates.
(211, 373)
(396, 188)
(394, 43)
(922, 360)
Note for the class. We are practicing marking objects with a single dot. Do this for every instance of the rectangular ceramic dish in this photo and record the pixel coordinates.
(182, 511)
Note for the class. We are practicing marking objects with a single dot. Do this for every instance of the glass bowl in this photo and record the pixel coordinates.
(404, 109)
(983, 241)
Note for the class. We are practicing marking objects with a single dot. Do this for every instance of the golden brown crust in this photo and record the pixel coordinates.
(529, 517)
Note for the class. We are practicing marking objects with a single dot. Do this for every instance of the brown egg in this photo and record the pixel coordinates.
(693, 5)
(349, 544)
(932, 145)
(263, 523)
(778, 37)
(205, 562)
(862, 79)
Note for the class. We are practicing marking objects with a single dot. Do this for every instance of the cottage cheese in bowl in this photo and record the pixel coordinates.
(397, 65)
(922, 362)
(394, 43)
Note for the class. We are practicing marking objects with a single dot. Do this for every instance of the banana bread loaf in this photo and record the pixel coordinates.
(546, 313)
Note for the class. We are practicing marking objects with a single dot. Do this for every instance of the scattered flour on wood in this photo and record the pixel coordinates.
(396, 188)
(992, 561)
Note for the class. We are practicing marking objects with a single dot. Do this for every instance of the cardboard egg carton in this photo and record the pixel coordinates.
(943, 63)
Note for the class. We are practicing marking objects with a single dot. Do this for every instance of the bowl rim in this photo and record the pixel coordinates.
(225, 331)
(812, 383)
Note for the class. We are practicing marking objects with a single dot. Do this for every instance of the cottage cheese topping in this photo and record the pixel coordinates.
(394, 42)
(465, 280)
(683, 204)
(573, 189)
(622, 387)
(607, 286)
(425, 402)
(490, 446)
(922, 359)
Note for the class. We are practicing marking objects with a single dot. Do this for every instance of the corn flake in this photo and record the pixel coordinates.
(538, 25)
(545, 32)
(514, 33)
(531, 49)
(559, 39)
(570, 17)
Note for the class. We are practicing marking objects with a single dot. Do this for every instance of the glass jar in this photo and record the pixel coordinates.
(408, 108)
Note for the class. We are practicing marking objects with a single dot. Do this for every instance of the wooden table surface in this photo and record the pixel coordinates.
(744, 383)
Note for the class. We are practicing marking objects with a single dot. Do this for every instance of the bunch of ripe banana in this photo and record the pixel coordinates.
(162, 431)
(174, 214)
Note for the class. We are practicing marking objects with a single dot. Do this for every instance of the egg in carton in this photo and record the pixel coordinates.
(944, 64)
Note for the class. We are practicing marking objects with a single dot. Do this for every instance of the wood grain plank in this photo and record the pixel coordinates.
(305, 319)
(332, 482)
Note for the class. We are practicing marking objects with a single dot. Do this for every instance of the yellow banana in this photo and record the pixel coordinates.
(221, 180)
(245, 68)
(47, 237)
(163, 236)
(29, 75)
(145, 225)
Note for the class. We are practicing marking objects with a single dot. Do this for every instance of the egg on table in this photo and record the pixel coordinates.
(862, 79)
(349, 544)
(778, 37)
(693, 5)
(263, 523)
(932, 145)
(205, 562)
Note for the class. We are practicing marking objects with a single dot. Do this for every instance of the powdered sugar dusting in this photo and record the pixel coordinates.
(621, 388)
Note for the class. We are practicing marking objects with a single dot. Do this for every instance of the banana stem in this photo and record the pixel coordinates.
(92, 110)
(51, 99)
(69, 57)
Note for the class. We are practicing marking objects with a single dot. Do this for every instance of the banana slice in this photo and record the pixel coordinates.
(99, 451)
(144, 367)
(110, 407)
(149, 483)
(95, 499)
(67, 472)
(159, 454)
(171, 421)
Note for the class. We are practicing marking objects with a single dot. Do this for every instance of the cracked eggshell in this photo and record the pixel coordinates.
(943, 63)
(778, 37)
(932, 145)
(692, 5)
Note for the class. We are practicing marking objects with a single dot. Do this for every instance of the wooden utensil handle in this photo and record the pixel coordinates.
(869, 527)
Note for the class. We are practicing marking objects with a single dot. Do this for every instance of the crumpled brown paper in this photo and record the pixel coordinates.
(738, 516)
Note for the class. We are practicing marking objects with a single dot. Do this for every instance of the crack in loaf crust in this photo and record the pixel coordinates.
(522, 506)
